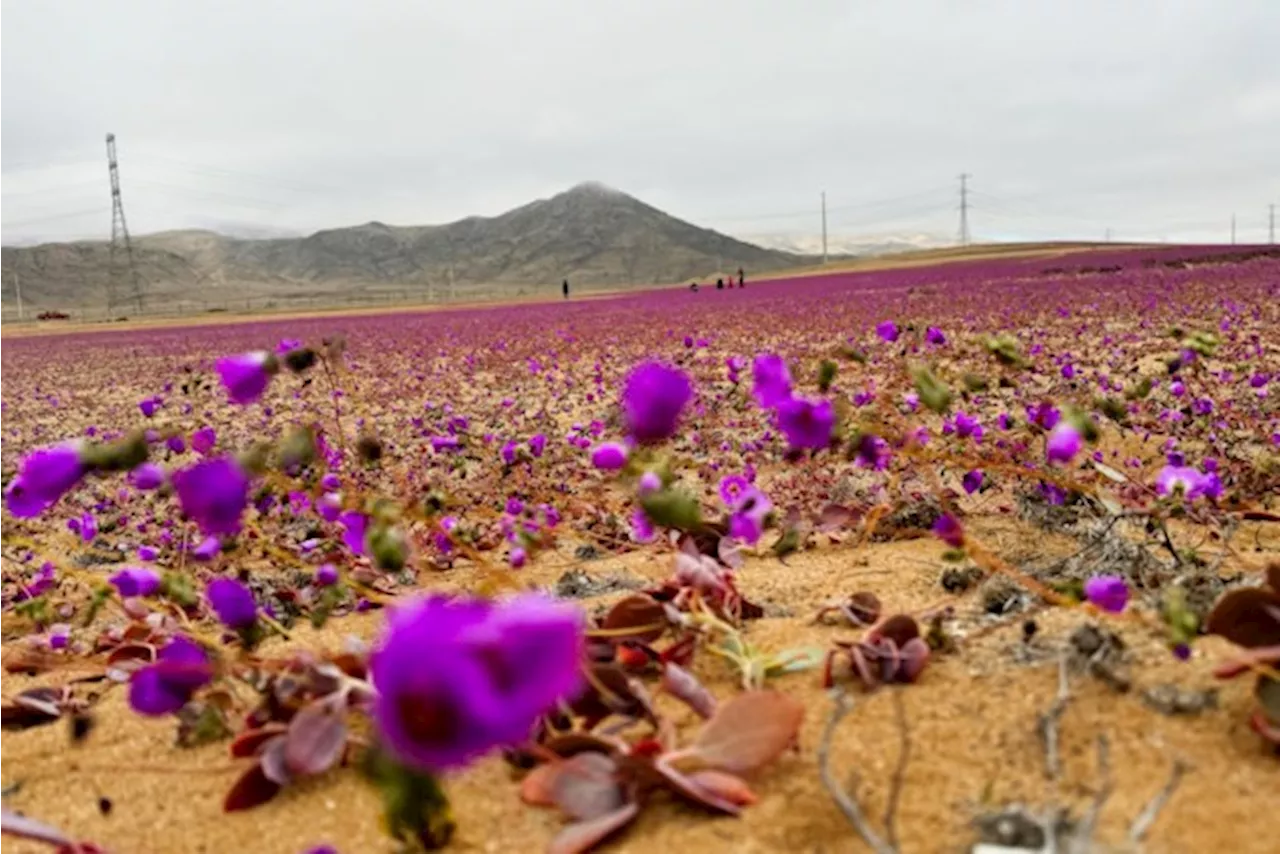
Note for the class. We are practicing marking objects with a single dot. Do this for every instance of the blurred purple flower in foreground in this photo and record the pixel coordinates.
(1063, 443)
(496, 666)
(807, 423)
(771, 380)
(213, 493)
(652, 400)
(232, 602)
(1108, 592)
(135, 581)
(246, 377)
(45, 476)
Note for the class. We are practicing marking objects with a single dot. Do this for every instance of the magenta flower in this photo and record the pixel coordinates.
(609, 456)
(1187, 481)
(149, 405)
(933, 335)
(326, 575)
(162, 688)
(207, 550)
(1063, 443)
(509, 452)
(972, 481)
(518, 557)
(232, 602)
(147, 476)
(948, 529)
(888, 331)
(749, 513)
(1108, 592)
(642, 529)
(496, 667)
(246, 377)
(966, 425)
(213, 493)
(807, 423)
(176, 444)
(537, 444)
(135, 581)
(354, 525)
(45, 476)
(771, 380)
(203, 440)
(653, 398)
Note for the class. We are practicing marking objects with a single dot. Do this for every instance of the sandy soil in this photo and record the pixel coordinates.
(972, 722)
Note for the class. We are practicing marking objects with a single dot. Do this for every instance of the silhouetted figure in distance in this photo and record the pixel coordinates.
(565, 288)
(742, 278)
(694, 287)
(720, 283)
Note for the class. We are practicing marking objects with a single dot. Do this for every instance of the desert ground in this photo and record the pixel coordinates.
(1036, 697)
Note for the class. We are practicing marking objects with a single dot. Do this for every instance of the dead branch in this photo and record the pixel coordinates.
(899, 771)
(1082, 839)
(1048, 722)
(1146, 818)
(847, 804)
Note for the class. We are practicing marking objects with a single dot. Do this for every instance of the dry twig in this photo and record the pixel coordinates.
(847, 804)
(1146, 818)
(1048, 723)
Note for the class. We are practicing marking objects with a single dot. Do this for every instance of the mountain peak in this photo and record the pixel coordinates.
(594, 189)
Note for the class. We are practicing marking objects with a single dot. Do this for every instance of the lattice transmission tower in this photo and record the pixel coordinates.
(121, 245)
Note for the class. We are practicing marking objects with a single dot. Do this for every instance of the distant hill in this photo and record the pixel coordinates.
(592, 235)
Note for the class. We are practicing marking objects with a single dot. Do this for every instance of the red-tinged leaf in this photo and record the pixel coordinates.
(748, 731)
(587, 786)
(727, 787)
(32, 708)
(573, 743)
(1263, 727)
(729, 553)
(684, 686)
(537, 789)
(682, 785)
(639, 612)
(914, 657)
(253, 789)
(899, 628)
(13, 824)
(1268, 656)
(250, 742)
(144, 653)
(29, 662)
(1248, 617)
(582, 836)
(271, 759)
(316, 738)
(834, 517)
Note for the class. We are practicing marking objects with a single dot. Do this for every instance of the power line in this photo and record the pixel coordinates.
(119, 233)
(52, 217)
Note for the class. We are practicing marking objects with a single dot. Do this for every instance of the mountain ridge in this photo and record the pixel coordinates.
(591, 234)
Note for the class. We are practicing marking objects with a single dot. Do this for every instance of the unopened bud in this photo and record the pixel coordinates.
(826, 374)
(300, 360)
(124, 454)
(388, 548)
(672, 508)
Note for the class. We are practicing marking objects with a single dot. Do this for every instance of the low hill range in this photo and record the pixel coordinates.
(593, 235)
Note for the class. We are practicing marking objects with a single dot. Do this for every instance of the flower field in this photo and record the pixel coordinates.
(980, 553)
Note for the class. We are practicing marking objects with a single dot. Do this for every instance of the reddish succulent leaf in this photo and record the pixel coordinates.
(748, 731)
(684, 786)
(250, 742)
(587, 786)
(729, 553)
(315, 740)
(683, 685)
(915, 655)
(537, 787)
(1263, 727)
(143, 652)
(834, 517)
(13, 824)
(727, 787)
(271, 759)
(638, 611)
(585, 835)
(1248, 617)
(253, 789)
(573, 743)
(900, 628)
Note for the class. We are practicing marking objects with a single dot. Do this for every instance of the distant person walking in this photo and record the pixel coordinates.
(720, 283)
(565, 288)
(742, 278)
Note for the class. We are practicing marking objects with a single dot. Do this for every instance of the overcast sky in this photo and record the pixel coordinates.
(1151, 119)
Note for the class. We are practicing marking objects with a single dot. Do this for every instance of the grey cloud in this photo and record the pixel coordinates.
(1154, 119)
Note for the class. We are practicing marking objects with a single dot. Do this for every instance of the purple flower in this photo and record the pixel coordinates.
(888, 331)
(1108, 592)
(203, 440)
(972, 481)
(329, 506)
(287, 345)
(45, 476)
(149, 405)
(967, 425)
(88, 527)
(749, 513)
(162, 688)
(1175, 479)
(933, 335)
(732, 488)
(496, 667)
(771, 380)
(654, 396)
(232, 602)
(44, 579)
(245, 377)
(326, 575)
(147, 476)
(518, 557)
(208, 549)
(1045, 416)
(642, 530)
(537, 444)
(609, 456)
(509, 452)
(175, 444)
(148, 553)
(213, 493)
(1063, 443)
(135, 581)
(355, 524)
(949, 531)
(648, 482)
(873, 452)
(807, 423)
